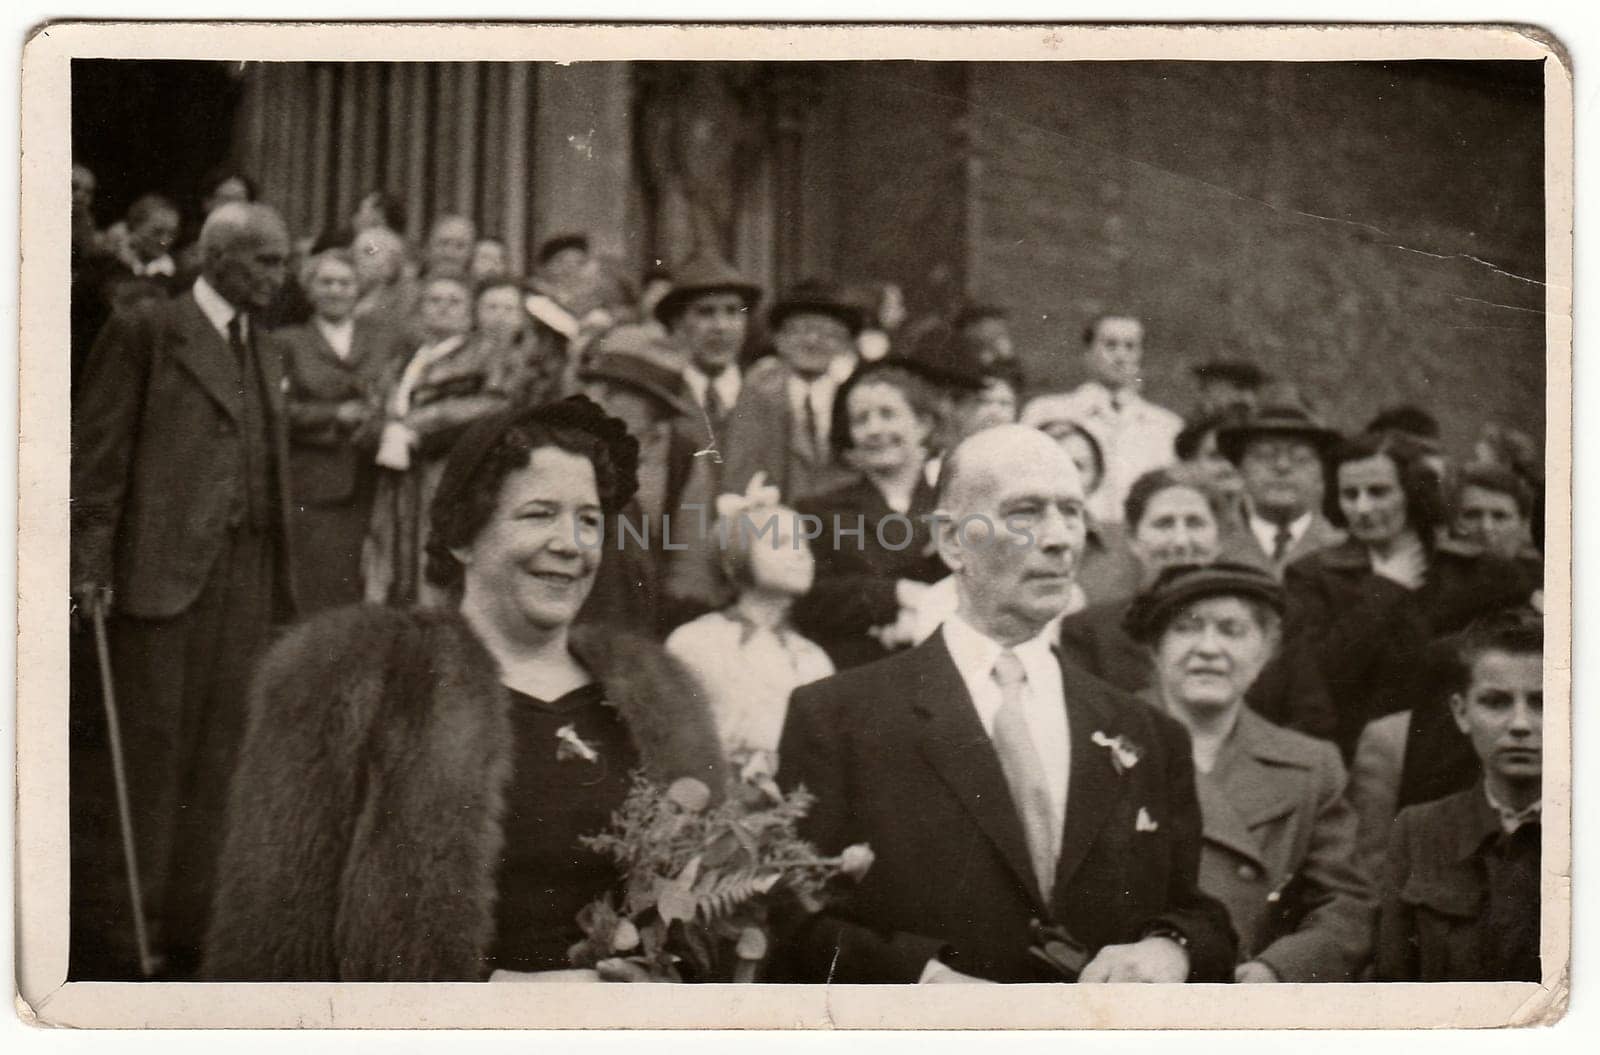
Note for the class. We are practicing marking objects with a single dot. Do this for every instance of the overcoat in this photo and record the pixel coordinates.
(1280, 837)
(364, 827)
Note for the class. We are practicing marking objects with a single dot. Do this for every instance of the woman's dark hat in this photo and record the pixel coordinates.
(701, 277)
(1184, 584)
(815, 297)
(1286, 416)
(942, 357)
(575, 412)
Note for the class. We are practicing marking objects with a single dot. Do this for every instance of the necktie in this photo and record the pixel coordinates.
(1024, 770)
(813, 435)
(236, 339)
(713, 402)
(1281, 543)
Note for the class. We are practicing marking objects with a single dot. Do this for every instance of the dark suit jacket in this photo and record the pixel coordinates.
(328, 461)
(157, 461)
(897, 757)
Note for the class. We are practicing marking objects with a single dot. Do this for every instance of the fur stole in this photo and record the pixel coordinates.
(364, 822)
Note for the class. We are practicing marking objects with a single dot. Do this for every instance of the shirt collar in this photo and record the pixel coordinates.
(1512, 819)
(974, 652)
(1267, 530)
(216, 309)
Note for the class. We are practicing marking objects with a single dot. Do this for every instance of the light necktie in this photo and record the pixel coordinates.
(713, 403)
(1024, 770)
(813, 433)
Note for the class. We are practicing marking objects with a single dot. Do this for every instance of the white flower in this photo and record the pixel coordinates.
(570, 745)
(1124, 753)
(856, 860)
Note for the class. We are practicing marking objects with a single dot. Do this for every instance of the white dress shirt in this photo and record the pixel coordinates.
(1044, 699)
(727, 385)
(1135, 435)
(1266, 531)
(820, 395)
(218, 311)
(339, 335)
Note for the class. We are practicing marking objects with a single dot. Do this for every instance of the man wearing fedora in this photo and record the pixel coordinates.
(1281, 450)
(783, 419)
(707, 314)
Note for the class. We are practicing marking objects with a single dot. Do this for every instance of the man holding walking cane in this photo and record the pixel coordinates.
(179, 512)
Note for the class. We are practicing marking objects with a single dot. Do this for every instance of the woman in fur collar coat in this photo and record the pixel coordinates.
(414, 782)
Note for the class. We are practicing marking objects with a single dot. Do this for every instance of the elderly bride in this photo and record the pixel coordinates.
(414, 782)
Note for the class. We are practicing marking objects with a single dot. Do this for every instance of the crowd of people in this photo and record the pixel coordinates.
(408, 562)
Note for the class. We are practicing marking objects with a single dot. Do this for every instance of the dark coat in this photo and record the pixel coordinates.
(897, 757)
(1289, 691)
(104, 286)
(1368, 637)
(761, 433)
(329, 463)
(854, 588)
(365, 820)
(158, 463)
(1447, 869)
(1280, 837)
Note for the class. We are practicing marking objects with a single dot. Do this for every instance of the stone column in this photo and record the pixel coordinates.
(583, 153)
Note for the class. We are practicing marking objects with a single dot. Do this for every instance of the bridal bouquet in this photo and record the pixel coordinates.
(702, 882)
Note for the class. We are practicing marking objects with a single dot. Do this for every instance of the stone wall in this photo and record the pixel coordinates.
(1373, 232)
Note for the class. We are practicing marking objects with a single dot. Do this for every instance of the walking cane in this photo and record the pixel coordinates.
(97, 611)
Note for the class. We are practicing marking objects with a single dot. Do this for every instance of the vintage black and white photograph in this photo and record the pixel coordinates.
(801, 512)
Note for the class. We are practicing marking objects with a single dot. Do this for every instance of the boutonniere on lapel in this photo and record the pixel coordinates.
(1124, 752)
(570, 745)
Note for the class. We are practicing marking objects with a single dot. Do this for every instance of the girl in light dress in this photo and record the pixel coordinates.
(748, 657)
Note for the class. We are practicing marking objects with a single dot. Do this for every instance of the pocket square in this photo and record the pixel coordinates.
(1143, 822)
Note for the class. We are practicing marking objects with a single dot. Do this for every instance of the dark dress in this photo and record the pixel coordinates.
(555, 796)
(856, 573)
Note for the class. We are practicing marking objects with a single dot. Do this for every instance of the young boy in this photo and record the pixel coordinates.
(1461, 894)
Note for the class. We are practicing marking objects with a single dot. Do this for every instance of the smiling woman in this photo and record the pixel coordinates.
(488, 735)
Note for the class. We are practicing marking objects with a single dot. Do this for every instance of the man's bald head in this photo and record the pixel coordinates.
(244, 248)
(995, 450)
(1012, 527)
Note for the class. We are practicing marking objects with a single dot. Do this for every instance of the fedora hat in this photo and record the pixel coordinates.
(1286, 415)
(699, 277)
(1176, 587)
(816, 297)
(631, 357)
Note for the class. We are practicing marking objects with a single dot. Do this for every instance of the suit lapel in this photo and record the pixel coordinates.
(1237, 774)
(1094, 783)
(955, 744)
(201, 350)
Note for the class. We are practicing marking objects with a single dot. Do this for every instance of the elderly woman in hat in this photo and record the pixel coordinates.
(1278, 832)
(414, 782)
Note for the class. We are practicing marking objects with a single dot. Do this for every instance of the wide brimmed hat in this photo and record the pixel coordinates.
(1184, 584)
(700, 277)
(631, 357)
(1285, 417)
(815, 297)
(570, 240)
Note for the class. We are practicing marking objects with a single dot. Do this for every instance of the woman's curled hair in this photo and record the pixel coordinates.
(495, 447)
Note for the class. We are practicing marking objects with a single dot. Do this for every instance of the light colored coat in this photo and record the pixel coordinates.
(1279, 837)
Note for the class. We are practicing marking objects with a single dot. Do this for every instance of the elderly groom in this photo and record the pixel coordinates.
(998, 786)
